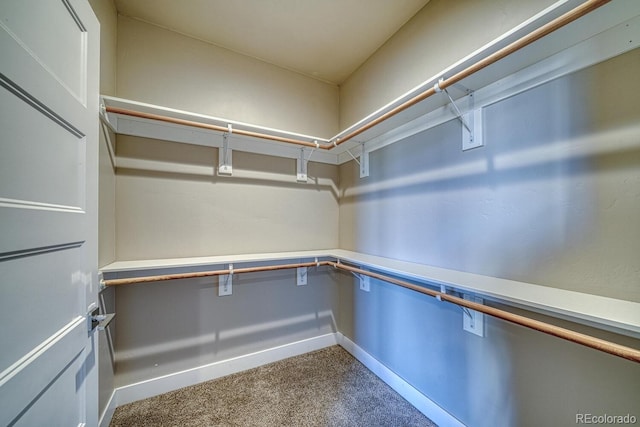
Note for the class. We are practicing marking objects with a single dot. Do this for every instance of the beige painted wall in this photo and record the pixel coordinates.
(439, 35)
(170, 203)
(165, 68)
(107, 16)
(106, 201)
(106, 13)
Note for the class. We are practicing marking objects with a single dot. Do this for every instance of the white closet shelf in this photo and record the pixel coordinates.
(603, 33)
(123, 124)
(616, 315)
(173, 263)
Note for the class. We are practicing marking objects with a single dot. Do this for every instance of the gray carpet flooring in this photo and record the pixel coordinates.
(327, 387)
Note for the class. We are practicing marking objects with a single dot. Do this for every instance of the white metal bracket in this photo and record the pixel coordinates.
(101, 285)
(301, 276)
(97, 320)
(225, 154)
(301, 164)
(110, 121)
(365, 281)
(473, 321)
(364, 161)
(225, 283)
(472, 135)
(471, 121)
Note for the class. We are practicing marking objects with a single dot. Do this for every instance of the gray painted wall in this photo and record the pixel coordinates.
(512, 377)
(182, 324)
(553, 199)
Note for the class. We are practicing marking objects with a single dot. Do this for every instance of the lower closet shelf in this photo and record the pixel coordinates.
(607, 313)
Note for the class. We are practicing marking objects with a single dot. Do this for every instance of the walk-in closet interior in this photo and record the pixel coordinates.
(448, 190)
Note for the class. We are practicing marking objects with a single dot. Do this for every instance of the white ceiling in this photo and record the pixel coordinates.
(325, 39)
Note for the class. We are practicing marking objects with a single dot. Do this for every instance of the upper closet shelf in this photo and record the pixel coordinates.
(603, 33)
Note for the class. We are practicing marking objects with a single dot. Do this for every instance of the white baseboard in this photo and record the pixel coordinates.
(421, 402)
(166, 383)
(105, 417)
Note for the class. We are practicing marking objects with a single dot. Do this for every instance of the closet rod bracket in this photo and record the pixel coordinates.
(225, 283)
(365, 281)
(301, 166)
(471, 120)
(472, 320)
(364, 161)
(101, 284)
(110, 121)
(473, 137)
(301, 276)
(225, 154)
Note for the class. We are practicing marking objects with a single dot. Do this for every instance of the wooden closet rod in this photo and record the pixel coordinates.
(192, 123)
(134, 280)
(559, 22)
(566, 334)
(570, 16)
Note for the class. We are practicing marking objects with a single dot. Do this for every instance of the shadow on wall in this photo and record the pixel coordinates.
(542, 202)
(553, 198)
(169, 160)
(182, 324)
(261, 208)
(511, 376)
(421, 340)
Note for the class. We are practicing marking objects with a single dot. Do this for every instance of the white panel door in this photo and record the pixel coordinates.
(49, 60)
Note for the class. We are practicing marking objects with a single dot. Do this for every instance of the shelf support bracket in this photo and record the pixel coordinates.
(301, 164)
(225, 283)
(474, 117)
(106, 119)
(471, 121)
(473, 321)
(101, 285)
(365, 281)
(225, 154)
(364, 161)
(353, 157)
(301, 276)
